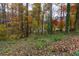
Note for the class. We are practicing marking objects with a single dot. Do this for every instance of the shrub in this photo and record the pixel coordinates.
(76, 53)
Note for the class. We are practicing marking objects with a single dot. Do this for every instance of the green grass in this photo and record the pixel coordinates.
(40, 44)
(57, 37)
(41, 41)
(6, 46)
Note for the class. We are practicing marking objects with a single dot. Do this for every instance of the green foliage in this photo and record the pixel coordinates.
(14, 37)
(42, 41)
(57, 37)
(3, 34)
(2, 27)
(35, 23)
(40, 44)
(76, 53)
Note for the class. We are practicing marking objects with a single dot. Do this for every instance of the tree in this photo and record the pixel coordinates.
(68, 18)
(26, 24)
(72, 17)
(50, 18)
(3, 34)
(77, 17)
(42, 17)
(36, 13)
(23, 18)
(20, 5)
(3, 11)
(61, 18)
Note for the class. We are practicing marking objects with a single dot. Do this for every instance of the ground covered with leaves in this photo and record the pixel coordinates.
(42, 45)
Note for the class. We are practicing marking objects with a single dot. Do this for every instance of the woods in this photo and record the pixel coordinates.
(38, 18)
(39, 28)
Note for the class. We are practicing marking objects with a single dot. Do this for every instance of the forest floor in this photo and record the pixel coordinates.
(42, 45)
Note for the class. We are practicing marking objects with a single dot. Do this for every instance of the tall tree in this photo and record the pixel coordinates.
(42, 18)
(50, 18)
(3, 34)
(3, 11)
(77, 17)
(21, 18)
(36, 11)
(26, 22)
(68, 18)
(62, 18)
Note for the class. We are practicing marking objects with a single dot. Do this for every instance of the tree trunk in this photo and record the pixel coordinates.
(61, 19)
(42, 19)
(3, 12)
(68, 18)
(77, 17)
(50, 19)
(26, 18)
(21, 19)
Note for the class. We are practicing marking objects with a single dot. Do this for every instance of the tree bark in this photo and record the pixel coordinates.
(68, 18)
